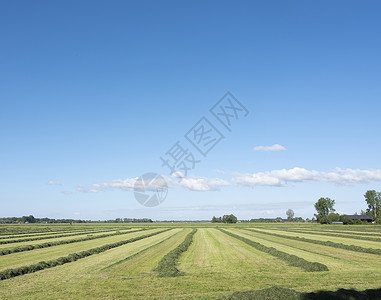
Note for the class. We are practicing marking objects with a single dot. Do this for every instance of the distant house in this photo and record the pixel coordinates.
(361, 217)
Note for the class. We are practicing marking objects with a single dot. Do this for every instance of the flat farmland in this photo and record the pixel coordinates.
(187, 261)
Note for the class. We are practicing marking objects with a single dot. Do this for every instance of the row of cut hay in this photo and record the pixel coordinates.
(45, 237)
(138, 253)
(57, 243)
(347, 228)
(167, 265)
(9, 230)
(52, 234)
(291, 259)
(354, 237)
(6, 274)
(348, 233)
(324, 243)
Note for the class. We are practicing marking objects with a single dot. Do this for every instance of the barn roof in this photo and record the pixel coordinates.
(360, 217)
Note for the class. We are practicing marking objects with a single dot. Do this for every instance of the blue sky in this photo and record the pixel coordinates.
(93, 93)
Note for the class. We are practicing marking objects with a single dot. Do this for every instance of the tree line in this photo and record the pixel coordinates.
(326, 212)
(32, 219)
(225, 219)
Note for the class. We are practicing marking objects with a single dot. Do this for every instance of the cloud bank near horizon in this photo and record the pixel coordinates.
(284, 177)
(274, 178)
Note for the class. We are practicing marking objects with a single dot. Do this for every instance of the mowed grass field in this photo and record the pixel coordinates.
(110, 261)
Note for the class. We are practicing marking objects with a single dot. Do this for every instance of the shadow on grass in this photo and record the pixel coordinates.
(276, 292)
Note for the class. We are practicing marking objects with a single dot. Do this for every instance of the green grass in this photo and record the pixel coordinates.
(324, 243)
(336, 259)
(98, 275)
(57, 239)
(62, 242)
(14, 236)
(346, 235)
(167, 265)
(15, 260)
(214, 265)
(321, 236)
(291, 259)
(72, 257)
(43, 236)
(347, 232)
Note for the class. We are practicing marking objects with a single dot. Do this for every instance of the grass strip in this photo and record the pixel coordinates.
(324, 243)
(50, 237)
(325, 227)
(167, 265)
(348, 228)
(9, 273)
(52, 234)
(56, 243)
(22, 231)
(347, 233)
(291, 259)
(137, 253)
(354, 237)
(341, 229)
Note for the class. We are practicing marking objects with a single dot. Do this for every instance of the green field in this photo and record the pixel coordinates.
(97, 261)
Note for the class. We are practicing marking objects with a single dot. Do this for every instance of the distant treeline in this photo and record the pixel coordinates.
(128, 220)
(263, 220)
(274, 220)
(32, 219)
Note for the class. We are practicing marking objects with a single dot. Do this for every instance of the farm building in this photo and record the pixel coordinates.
(361, 217)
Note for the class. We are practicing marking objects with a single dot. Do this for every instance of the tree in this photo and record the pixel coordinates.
(333, 217)
(346, 220)
(290, 214)
(214, 219)
(229, 219)
(324, 206)
(28, 219)
(373, 199)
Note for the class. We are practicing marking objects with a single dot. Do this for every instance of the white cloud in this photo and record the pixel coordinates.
(201, 184)
(285, 176)
(126, 185)
(76, 213)
(275, 147)
(257, 179)
(279, 178)
(51, 182)
(176, 180)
